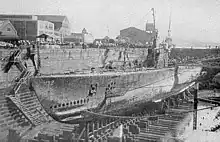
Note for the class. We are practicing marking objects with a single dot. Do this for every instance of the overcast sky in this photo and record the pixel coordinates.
(191, 19)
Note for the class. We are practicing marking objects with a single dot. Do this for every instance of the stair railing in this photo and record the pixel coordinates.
(42, 114)
(17, 55)
(21, 81)
(23, 109)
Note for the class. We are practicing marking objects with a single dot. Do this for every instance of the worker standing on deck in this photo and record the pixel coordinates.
(33, 51)
(109, 65)
(157, 54)
(30, 54)
(92, 90)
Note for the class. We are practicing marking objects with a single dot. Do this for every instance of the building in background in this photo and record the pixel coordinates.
(79, 38)
(61, 24)
(30, 29)
(138, 35)
(18, 17)
(30, 26)
(74, 37)
(84, 31)
(7, 30)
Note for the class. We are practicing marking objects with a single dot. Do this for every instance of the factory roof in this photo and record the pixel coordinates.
(52, 18)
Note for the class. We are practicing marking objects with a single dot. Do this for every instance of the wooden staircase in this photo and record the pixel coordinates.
(25, 111)
(22, 79)
(10, 116)
(26, 102)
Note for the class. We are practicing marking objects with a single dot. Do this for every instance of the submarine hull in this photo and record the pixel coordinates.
(68, 98)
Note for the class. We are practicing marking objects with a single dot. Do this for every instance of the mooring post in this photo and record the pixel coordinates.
(195, 104)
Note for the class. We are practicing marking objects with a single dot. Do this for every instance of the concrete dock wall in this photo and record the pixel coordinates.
(68, 60)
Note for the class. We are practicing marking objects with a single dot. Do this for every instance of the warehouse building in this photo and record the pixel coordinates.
(61, 23)
(30, 26)
(7, 30)
(143, 36)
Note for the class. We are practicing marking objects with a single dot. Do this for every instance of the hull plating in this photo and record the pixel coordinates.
(62, 95)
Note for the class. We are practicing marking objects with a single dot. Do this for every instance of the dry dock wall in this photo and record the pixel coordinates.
(66, 60)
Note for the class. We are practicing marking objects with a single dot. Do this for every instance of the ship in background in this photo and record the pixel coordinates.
(105, 81)
(210, 70)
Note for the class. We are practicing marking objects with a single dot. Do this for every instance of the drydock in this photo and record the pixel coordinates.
(23, 118)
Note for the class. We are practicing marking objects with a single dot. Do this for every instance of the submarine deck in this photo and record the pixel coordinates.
(109, 73)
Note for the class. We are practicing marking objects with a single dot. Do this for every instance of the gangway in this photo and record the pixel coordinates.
(15, 59)
(11, 60)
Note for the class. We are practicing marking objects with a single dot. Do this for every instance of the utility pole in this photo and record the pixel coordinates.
(169, 30)
(154, 39)
(195, 104)
(154, 17)
(154, 30)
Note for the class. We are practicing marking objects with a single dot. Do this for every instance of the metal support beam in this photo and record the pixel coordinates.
(195, 103)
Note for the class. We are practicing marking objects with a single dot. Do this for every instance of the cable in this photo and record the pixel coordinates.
(132, 117)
